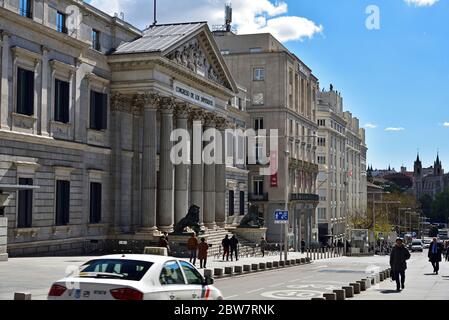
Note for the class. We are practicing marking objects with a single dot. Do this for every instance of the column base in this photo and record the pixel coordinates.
(168, 229)
(4, 257)
(153, 231)
(221, 225)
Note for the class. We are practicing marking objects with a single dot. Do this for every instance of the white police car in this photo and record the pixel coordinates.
(135, 277)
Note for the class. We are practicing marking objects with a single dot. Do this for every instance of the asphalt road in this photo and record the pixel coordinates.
(302, 282)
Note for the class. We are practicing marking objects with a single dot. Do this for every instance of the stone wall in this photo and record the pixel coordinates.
(3, 239)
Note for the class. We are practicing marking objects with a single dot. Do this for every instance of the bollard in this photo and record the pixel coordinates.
(22, 296)
(229, 271)
(308, 260)
(303, 260)
(254, 267)
(275, 264)
(287, 263)
(269, 265)
(262, 266)
(238, 269)
(367, 283)
(388, 271)
(362, 285)
(356, 287)
(314, 254)
(218, 272)
(382, 277)
(298, 261)
(292, 262)
(208, 273)
(246, 268)
(282, 263)
(340, 293)
(330, 296)
(349, 291)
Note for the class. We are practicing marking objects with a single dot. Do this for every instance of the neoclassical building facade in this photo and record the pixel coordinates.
(87, 112)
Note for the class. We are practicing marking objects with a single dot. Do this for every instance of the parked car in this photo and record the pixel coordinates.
(417, 245)
(135, 277)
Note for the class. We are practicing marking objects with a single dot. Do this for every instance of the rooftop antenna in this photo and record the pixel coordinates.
(155, 12)
(228, 17)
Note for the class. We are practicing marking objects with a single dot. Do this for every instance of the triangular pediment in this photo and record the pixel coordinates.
(202, 57)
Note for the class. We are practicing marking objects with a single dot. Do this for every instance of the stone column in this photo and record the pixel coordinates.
(149, 162)
(137, 133)
(165, 217)
(44, 114)
(209, 182)
(220, 178)
(4, 89)
(182, 170)
(197, 173)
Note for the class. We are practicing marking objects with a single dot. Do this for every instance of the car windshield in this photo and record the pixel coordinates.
(416, 243)
(115, 269)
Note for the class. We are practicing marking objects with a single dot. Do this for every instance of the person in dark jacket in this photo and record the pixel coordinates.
(163, 243)
(398, 263)
(203, 247)
(263, 245)
(226, 244)
(234, 244)
(435, 252)
(303, 246)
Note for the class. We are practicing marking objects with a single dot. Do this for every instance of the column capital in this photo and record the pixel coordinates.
(197, 115)
(222, 123)
(167, 105)
(183, 111)
(120, 102)
(149, 100)
(210, 120)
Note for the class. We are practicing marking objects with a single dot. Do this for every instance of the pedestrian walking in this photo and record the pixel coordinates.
(398, 263)
(163, 243)
(447, 251)
(234, 245)
(435, 252)
(263, 245)
(303, 246)
(226, 244)
(192, 246)
(203, 246)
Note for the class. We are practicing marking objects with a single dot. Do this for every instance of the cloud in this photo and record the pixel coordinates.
(421, 3)
(255, 16)
(446, 124)
(393, 129)
(370, 126)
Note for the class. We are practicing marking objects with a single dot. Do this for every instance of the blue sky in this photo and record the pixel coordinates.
(394, 77)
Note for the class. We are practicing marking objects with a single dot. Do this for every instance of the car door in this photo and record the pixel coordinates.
(173, 283)
(194, 282)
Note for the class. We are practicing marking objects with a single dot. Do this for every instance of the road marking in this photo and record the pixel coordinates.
(230, 297)
(254, 291)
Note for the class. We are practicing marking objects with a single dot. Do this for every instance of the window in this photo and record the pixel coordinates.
(171, 274)
(258, 187)
(62, 101)
(322, 213)
(239, 103)
(98, 110)
(25, 9)
(25, 204)
(131, 270)
(242, 203)
(259, 74)
(95, 202)
(25, 92)
(96, 40)
(321, 160)
(192, 275)
(258, 99)
(231, 203)
(62, 202)
(61, 22)
(321, 122)
(255, 50)
(258, 124)
(322, 142)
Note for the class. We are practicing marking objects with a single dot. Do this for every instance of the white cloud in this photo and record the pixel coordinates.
(421, 3)
(255, 16)
(446, 124)
(393, 129)
(370, 126)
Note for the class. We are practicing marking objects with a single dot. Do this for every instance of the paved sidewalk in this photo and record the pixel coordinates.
(420, 284)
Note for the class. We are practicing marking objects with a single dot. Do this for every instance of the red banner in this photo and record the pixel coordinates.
(274, 180)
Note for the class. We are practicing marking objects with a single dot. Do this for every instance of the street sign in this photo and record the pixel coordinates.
(281, 217)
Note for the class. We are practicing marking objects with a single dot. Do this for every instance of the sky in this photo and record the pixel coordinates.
(388, 58)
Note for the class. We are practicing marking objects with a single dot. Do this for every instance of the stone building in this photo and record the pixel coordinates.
(282, 94)
(429, 181)
(342, 159)
(88, 104)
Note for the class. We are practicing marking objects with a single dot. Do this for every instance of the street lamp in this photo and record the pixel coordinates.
(287, 198)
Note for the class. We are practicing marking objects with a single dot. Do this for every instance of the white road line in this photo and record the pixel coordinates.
(230, 297)
(254, 291)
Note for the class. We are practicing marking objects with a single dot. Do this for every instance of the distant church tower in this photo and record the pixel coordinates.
(418, 178)
(438, 167)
